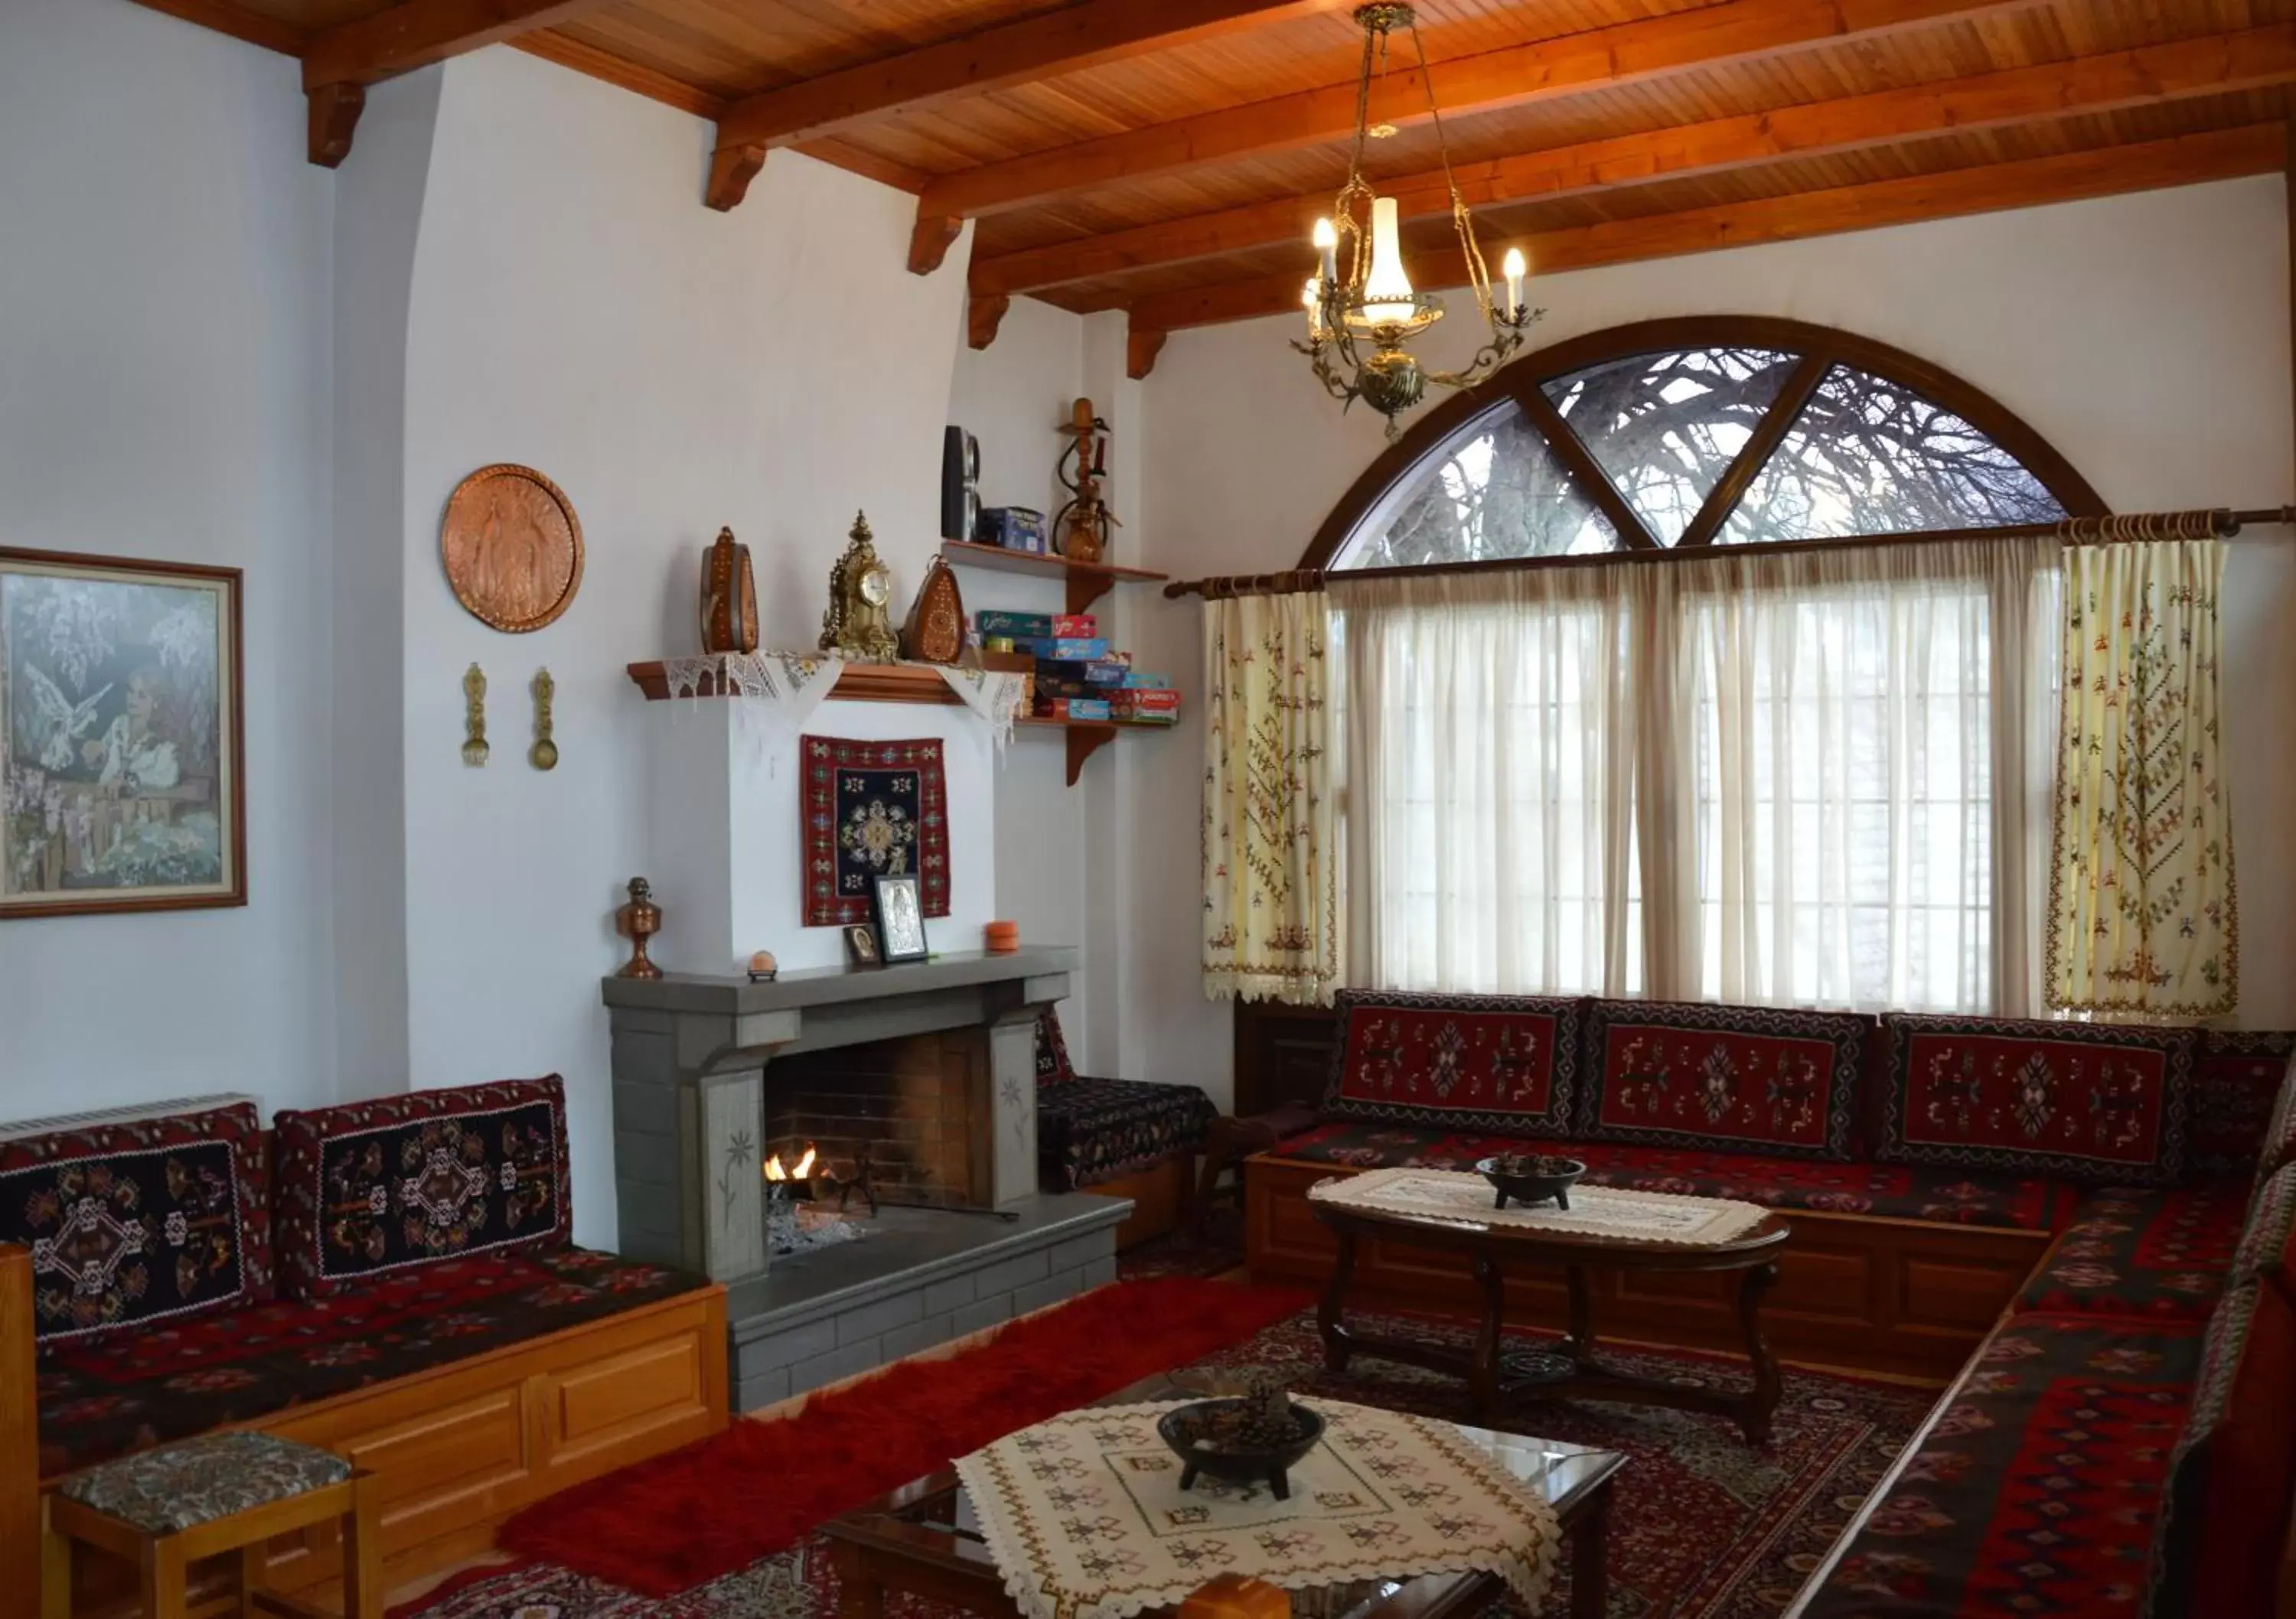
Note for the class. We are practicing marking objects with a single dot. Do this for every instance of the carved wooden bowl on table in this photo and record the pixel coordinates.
(1531, 1178)
(1241, 1441)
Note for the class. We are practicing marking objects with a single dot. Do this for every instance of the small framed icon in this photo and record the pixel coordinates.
(861, 946)
(901, 914)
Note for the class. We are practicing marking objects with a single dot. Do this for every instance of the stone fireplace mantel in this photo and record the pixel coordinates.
(692, 1064)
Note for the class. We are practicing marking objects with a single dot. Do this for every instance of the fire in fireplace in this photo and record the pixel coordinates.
(797, 1212)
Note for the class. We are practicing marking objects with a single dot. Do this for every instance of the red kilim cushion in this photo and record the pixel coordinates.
(2094, 1103)
(2235, 1080)
(139, 1223)
(1503, 1063)
(1723, 1076)
(379, 1186)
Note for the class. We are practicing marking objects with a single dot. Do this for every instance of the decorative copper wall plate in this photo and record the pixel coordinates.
(512, 548)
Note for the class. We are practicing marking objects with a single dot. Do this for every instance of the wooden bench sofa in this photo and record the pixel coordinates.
(391, 1281)
(2119, 1435)
(1122, 1137)
(1920, 1205)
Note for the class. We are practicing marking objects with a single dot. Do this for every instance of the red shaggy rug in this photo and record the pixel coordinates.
(718, 1506)
(1702, 1527)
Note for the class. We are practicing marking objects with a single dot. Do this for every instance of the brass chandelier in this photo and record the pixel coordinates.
(1360, 325)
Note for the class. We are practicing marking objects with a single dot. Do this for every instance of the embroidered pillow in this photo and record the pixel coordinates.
(2236, 1078)
(2278, 1149)
(373, 1187)
(1053, 1067)
(2093, 1102)
(139, 1221)
(1504, 1064)
(1729, 1077)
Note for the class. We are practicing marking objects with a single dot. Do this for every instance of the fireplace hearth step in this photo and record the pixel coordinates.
(921, 1277)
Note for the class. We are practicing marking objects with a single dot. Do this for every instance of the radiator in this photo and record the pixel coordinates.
(94, 1118)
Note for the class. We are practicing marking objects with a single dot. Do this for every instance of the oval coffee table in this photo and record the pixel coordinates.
(1570, 1371)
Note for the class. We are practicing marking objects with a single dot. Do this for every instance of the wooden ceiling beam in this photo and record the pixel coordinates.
(1737, 30)
(339, 62)
(1075, 37)
(2105, 171)
(2214, 65)
(226, 18)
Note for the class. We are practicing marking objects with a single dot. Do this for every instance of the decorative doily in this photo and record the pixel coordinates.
(993, 694)
(1594, 1211)
(1085, 1517)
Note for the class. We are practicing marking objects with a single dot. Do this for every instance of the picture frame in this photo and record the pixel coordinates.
(122, 741)
(896, 906)
(861, 946)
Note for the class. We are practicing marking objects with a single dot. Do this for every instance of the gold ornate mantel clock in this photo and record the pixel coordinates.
(857, 626)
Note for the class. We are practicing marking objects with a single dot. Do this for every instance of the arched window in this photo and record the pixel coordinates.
(1720, 430)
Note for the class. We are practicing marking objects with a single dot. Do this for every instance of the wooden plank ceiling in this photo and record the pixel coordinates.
(1166, 157)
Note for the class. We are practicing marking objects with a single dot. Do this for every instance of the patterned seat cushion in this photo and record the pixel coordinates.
(2096, 1103)
(373, 1187)
(1895, 1191)
(2216, 1541)
(1090, 1129)
(136, 1223)
(2236, 1080)
(2034, 1490)
(1732, 1078)
(200, 1480)
(105, 1398)
(2135, 1251)
(1052, 1066)
(1504, 1063)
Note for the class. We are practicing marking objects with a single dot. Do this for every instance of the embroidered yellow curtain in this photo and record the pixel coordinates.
(2143, 915)
(1271, 851)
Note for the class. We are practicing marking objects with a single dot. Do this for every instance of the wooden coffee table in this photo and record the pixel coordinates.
(1497, 1377)
(924, 1537)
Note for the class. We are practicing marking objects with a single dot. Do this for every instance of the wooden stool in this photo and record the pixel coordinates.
(165, 1510)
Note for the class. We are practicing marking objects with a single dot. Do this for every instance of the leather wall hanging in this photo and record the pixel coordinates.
(512, 548)
(729, 597)
(935, 632)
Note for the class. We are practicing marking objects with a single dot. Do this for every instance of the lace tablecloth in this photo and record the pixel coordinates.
(1594, 1211)
(1085, 1517)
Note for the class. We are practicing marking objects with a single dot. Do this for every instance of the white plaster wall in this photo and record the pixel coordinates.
(164, 264)
(575, 308)
(1012, 396)
(2145, 336)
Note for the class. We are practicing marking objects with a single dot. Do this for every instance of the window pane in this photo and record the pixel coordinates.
(1666, 426)
(1871, 456)
(1495, 491)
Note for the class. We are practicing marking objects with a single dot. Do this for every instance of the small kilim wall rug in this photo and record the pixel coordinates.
(1702, 1527)
(872, 809)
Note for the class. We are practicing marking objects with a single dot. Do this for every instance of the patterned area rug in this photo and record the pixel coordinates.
(1702, 1527)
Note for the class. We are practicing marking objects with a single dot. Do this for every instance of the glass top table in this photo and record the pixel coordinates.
(924, 1539)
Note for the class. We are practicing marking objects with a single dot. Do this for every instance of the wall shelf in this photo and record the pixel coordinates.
(1087, 582)
(857, 683)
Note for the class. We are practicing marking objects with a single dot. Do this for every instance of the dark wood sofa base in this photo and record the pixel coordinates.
(1900, 1297)
(462, 1447)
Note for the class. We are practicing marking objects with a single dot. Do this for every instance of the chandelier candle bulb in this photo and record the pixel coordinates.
(1513, 266)
(1313, 298)
(1387, 290)
(1327, 239)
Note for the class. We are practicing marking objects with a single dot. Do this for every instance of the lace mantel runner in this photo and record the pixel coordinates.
(1595, 1211)
(1086, 1519)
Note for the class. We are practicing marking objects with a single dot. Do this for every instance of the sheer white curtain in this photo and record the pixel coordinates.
(1815, 778)
(1866, 737)
(1490, 765)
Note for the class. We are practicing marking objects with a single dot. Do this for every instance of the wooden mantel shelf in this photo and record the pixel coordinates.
(1087, 582)
(856, 682)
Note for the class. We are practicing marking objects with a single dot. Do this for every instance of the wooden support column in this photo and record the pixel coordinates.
(982, 317)
(1141, 348)
(19, 1433)
(334, 115)
(2288, 169)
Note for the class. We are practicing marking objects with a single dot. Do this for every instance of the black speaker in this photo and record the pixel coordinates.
(960, 485)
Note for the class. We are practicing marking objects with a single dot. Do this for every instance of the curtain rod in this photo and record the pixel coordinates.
(2221, 522)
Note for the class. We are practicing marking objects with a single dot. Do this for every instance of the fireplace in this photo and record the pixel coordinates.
(924, 1076)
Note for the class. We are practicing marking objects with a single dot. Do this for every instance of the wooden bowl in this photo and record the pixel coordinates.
(1532, 1178)
(1181, 1428)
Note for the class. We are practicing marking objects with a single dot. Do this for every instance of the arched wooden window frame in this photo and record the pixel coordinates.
(1820, 348)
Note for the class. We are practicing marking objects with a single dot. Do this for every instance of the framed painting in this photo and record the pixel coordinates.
(121, 760)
